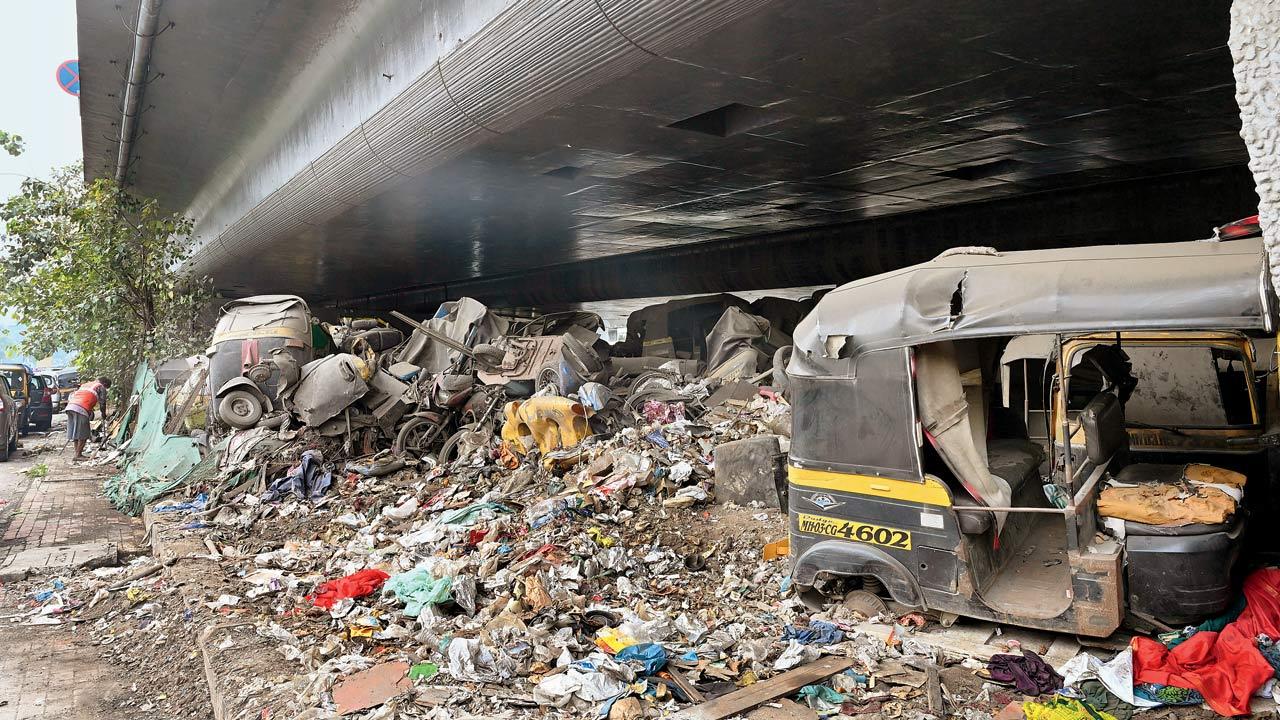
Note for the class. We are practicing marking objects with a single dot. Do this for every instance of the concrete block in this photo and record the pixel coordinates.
(750, 470)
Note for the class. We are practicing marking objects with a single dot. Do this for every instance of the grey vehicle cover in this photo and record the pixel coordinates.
(736, 329)
(260, 316)
(327, 387)
(981, 293)
(466, 320)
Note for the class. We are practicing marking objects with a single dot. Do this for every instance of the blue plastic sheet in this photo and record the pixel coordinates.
(651, 656)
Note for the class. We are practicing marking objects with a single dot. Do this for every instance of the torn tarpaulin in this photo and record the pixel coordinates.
(309, 479)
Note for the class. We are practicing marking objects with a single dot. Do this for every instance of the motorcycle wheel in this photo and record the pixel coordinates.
(420, 436)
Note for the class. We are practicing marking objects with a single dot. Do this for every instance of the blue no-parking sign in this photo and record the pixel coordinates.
(68, 76)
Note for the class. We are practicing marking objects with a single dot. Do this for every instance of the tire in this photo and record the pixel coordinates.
(240, 409)
(549, 376)
(9, 447)
(420, 436)
(449, 451)
(45, 426)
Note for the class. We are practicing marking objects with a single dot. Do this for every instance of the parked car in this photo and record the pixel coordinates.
(68, 382)
(19, 378)
(59, 397)
(40, 407)
(8, 420)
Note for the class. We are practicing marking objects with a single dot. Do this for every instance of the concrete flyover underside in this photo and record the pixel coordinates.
(525, 151)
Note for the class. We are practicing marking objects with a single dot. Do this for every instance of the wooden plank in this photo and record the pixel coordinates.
(933, 688)
(682, 682)
(764, 691)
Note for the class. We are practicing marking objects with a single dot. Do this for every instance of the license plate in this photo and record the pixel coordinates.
(855, 531)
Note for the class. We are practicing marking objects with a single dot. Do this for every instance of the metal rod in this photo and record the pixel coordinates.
(438, 337)
(1066, 422)
(143, 38)
(998, 508)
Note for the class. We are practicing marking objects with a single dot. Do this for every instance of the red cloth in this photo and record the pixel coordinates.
(1225, 667)
(357, 584)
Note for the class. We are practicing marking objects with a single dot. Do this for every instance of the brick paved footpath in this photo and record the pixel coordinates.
(48, 672)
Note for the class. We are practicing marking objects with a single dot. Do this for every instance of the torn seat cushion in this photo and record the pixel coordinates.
(1162, 503)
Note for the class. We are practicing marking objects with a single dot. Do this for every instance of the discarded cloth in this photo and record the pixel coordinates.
(1167, 694)
(1029, 673)
(1270, 650)
(194, 504)
(1116, 674)
(419, 588)
(819, 632)
(1167, 504)
(309, 479)
(1225, 667)
(1215, 624)
(467, 516)
(1062, 708)
(355, 585)
(1097, 696)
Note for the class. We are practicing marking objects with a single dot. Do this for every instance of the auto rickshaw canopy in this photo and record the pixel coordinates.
(981, 292)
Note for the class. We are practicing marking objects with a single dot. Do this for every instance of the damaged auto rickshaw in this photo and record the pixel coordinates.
(928, 461)
(258, 345)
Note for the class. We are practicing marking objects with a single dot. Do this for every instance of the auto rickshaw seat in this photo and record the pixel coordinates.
(1014, 460)
(1102, 420)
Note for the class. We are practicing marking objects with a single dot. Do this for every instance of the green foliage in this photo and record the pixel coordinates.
(11, 143)
(38, 470)
(94, 269)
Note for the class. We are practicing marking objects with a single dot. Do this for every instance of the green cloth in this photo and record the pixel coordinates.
(1174, 639)
(418, 588)
(152, 463)
(1097, 696)
(466, 516)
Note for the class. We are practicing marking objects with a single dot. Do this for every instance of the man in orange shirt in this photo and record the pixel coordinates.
(80, 410)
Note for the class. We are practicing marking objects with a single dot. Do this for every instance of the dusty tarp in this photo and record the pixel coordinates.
(734, 331)
(264, 316)
(466, 321)
(954, 423)
(1187, 285)
(152, 463)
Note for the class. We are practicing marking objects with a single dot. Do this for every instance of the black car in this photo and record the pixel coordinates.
(38, 413)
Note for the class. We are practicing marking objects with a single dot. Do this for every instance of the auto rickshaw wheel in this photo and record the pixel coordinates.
(420, 436)
(240, 409)
(549, 376)
(865, 603)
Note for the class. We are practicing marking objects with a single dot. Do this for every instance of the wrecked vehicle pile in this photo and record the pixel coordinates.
(497, 519)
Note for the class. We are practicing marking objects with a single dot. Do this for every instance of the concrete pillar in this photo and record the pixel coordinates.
(1255, 50)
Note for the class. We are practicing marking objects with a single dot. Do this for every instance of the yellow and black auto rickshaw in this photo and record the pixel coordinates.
(930, 407)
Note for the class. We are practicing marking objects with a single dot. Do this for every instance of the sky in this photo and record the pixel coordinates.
(35, 37)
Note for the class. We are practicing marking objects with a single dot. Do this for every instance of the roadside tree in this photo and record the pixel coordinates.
(94, 269)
